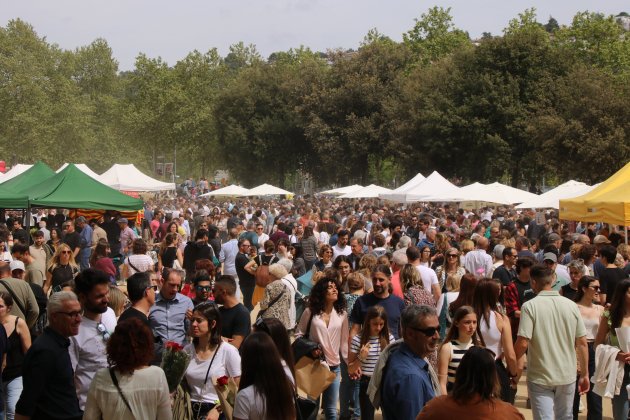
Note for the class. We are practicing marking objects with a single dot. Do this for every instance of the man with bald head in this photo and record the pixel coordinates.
(477, 261)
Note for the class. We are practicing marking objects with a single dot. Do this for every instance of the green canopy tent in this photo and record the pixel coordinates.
(73, 189)
(27, 179)
(11, 200)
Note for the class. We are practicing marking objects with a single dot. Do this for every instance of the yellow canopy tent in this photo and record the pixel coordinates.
(608, 202)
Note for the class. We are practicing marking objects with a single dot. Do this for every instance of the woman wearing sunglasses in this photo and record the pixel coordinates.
(451, 266)
(61, 269)
(587, 294)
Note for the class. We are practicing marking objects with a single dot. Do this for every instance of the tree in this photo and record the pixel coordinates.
(584, 132)
(346, 116)
(434, 36)
(552, 25)
(598, 41)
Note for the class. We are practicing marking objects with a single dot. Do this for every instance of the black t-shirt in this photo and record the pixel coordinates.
(244, 277)
(73, 240)
(134, 313)
(235, 321)
(608, 279)
(504, 275)
(568, 292)
(393, 307)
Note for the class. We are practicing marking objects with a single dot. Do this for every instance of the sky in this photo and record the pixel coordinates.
(172, 29)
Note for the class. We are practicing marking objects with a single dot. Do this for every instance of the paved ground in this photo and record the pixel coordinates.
(521, 398)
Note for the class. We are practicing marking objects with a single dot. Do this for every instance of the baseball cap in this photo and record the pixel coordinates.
(17, 265)
(554, 237)
(550, 256)
(601, 239)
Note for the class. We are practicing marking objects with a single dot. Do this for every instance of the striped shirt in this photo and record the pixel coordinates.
(367, 367)
(457, 352)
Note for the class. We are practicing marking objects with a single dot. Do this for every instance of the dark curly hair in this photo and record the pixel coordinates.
(130, 346)
(317, 298)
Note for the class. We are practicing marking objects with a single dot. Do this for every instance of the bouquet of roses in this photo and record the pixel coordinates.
(226, 390)
(174, 364)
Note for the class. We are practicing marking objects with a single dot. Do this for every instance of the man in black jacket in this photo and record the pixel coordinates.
(197, 250)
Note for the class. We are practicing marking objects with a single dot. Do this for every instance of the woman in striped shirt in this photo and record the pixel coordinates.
(461, 336)
(365, 349)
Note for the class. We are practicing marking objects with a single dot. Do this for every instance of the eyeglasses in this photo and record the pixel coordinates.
(65, 252)
(596, 288)
(204, 288)
(429, 332)
(452, 255)
(73, 314)
(426, 251)
(100, 327)
(154, 287)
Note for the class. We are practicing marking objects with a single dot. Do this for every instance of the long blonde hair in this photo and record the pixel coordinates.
(54, 261)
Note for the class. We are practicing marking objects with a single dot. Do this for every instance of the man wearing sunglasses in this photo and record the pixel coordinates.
(141, 291)
(408, 380)
(88, 348)
(49, 388)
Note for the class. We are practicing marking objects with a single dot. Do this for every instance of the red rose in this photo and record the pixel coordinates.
(222, 381)
(171, 345)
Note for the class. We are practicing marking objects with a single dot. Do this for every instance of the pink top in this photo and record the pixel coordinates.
(333, 338)
(396, 287)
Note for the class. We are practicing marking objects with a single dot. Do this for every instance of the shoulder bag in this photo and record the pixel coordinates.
(304, 346)
(115, 381)
(277, 298)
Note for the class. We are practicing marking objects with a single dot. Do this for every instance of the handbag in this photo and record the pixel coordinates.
(262, 311)
(115, 381)
(304, 346)
(304, 407)
(182, 406)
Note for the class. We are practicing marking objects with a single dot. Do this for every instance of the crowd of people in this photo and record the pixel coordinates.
(416, 311)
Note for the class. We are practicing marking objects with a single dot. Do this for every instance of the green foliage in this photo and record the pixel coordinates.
(434, 36)
(538, 99)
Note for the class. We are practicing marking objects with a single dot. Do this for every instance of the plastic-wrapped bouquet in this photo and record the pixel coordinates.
(174, 364)
(226, 390)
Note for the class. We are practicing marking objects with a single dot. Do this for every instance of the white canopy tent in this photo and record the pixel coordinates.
(371, 191)
(83, 168)
(130, 178)
(551, 199)
(229, 191)
(343, 190)
(14, 171)
(433, 188)
(496, 193)
(398, 194)
(266, 189)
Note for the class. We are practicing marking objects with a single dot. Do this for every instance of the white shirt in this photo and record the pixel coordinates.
(291, 287)
(140, 261)
(478, 263)
(428, 276)
(261, 242)
(226, 363)
(227, 256)
(249, 404)
(146, 391)
(88, 352)
(338, 251)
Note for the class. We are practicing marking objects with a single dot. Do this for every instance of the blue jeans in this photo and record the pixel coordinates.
(620, 402)
(551, 402)
(593, 401)
(348, 395)
(330, 396)
(11, 390)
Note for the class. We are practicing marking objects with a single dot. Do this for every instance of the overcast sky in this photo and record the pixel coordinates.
(171, 29)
